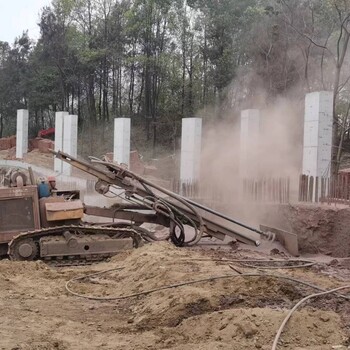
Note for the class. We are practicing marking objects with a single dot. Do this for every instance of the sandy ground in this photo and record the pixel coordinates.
(34, 157)
(36, 311)
(231, 313)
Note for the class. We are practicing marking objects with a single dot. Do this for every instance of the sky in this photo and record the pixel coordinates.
(17, 16)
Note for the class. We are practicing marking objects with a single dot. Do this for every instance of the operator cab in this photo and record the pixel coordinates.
(25, 207)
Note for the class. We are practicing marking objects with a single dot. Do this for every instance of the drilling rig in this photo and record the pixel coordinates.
(53, 229)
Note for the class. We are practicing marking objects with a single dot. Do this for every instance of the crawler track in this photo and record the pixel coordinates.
(31, 240)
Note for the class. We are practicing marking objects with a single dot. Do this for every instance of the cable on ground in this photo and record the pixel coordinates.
(246, 263)
(280, 330)
(181, 284)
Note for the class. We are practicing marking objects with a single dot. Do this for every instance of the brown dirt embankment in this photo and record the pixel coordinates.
(238, 313)
(320, 229)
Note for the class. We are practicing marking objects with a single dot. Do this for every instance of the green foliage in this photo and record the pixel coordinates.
(158, 61)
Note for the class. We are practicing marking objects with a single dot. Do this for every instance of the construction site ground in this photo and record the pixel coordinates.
(235, 312)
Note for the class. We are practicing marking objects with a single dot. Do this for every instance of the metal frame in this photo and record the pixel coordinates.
(140, 190)
(20, 192)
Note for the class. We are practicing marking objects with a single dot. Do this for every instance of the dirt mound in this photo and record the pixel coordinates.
(10, 268)
(320, 228)
(43, 343)
(208, 308)
(255, 328)
(229, 313)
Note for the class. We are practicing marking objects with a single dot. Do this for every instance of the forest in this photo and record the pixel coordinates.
(158, 61)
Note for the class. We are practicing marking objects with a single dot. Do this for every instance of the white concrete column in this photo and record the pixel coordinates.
(249, 142)
(22, 133)
(191, 143)
(318, 125)
(70, 140)
(59, 120)
(121, 151)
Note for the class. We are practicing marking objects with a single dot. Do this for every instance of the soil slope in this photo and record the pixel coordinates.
(230, 313)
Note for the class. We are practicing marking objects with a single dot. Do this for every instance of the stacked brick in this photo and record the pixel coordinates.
(34, 143)
(12, 141)
(44, 145)
(5, 143)
(9, 143)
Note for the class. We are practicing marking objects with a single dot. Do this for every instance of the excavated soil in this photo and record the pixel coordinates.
(320, 229)
(228, 313)
(33, 157)
(325, 230)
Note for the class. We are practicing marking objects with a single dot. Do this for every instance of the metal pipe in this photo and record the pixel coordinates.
(119, 176)
(223, 216)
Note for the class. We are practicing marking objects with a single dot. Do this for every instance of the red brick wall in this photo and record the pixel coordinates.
(5, 143)
(44, 145)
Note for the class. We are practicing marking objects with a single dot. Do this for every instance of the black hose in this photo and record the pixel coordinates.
(181, 284)
(177, 239)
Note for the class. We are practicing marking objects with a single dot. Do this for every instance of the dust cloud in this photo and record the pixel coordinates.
(276, 153)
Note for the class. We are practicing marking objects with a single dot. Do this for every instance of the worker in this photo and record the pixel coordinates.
(43, 188)
(52, 184)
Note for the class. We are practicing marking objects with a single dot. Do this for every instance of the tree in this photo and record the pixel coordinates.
(13, 79)
(223, 28)
(326, 26)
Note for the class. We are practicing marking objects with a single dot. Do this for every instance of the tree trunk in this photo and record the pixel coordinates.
(336, 150)
(114, 91)
(91, 98)
(100, 99)
(120, 90)
(1, 125)
(79, 103)
(131, 89)
(205, 65)
(335, 140)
